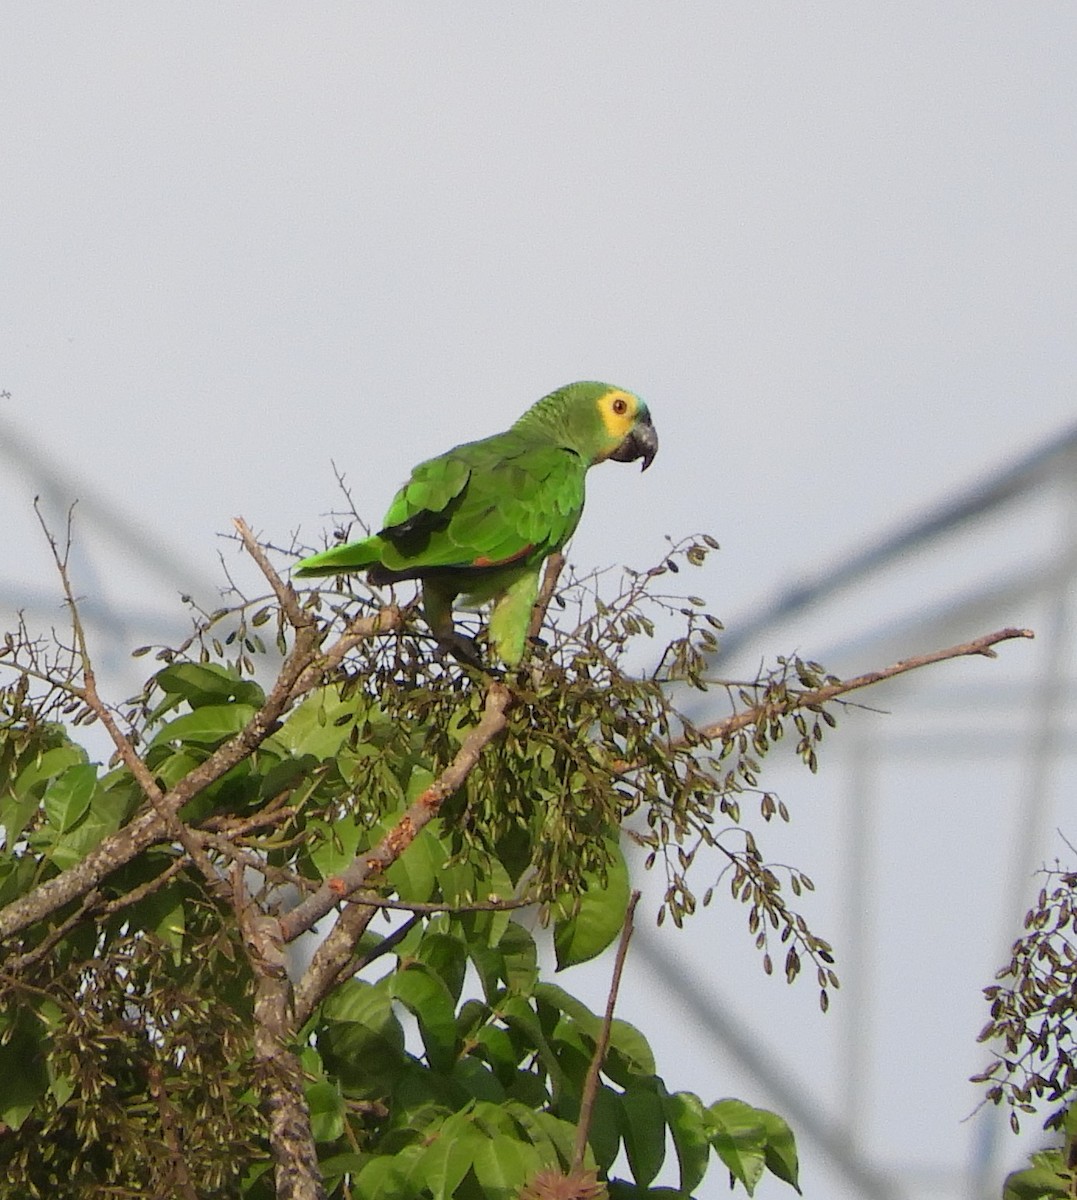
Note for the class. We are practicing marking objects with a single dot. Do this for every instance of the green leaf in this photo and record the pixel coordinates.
(24, 1078)
(780, 1153)
(522, 1019)
(414, 874)
(73, 846)
(620, 1190)
(1035, 1183)
(62, 1088)
(384, 1178)
(582, 935)
(48, 766)
(477, 1080)
(17, 877)
(361, 1041)
(15, 814)
(738, 1133)
(162, 913)
(503, 1165)
(529, 1089)
(607, 1121)
(498, 1049)
(456, 881)
(630, 1055)
(201, 684)
(206, 726)
(333, 846)
(446, 956)
(115, 799)
(688, 1123)
(326, 1110)
(554, 1139)
(578, 1012)
(520, 956)
(67, 798)
(172, 767)
(450, 1155)
(644, 1132)
(428, 999)
(336, 1166)
(321, 724)
(561, 1133)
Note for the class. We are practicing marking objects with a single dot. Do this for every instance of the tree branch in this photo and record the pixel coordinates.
(419, 814)
(332, 961)
(590, 1086)
(554, 566)
(173, 1134)
(335, 951)
(291, 1137)
(719, 730)
(285, 593)
(302, 669)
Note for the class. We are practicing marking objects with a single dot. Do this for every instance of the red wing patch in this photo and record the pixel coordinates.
(502, 562)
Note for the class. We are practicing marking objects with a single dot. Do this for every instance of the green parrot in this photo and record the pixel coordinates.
(479, 520)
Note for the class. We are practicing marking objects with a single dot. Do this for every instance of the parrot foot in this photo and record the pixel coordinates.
(463, 649)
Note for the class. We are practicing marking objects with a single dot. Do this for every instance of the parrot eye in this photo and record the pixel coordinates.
(620, 406)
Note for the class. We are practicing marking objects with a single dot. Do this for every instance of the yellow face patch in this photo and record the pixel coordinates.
(619, 411)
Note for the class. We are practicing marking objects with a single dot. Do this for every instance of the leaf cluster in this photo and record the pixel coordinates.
(439, 1063)
(1034, 1009)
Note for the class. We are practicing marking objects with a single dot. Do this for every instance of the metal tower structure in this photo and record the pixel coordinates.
(1001, 553)
(115, 626)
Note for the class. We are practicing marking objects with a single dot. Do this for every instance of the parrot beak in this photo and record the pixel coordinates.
(642, 442)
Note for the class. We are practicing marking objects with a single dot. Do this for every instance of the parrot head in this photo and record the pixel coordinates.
(598, 421)
(641, 440)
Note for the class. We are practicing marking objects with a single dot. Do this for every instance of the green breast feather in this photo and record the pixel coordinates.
(479, 520)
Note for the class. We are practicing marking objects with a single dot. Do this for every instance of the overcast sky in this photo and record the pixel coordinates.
(831, 244)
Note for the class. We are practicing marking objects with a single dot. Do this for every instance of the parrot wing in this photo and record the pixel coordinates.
(417, 510)
(482, 506)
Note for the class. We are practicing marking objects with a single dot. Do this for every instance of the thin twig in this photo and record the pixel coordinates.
(719, 730)
(386, 620)
(285, 593)
(22, 961)
(590, 1086)
(90, 696)
(387, 943)
(173, 1135)
(301, 666)
(414, 906)
(249, 859)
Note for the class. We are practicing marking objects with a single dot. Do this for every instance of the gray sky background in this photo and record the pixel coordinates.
(832, 245)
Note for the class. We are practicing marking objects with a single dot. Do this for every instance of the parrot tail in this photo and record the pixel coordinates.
(341, 560)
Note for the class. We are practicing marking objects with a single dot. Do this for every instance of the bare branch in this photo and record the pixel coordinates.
(291, 1137)
(333, 960)
(590, 1086)
(90, 696)
(796, 700)
(359, 628)
(284, 592)
(415, 906)
(554, 566)
(173, 1135)
(302, 670)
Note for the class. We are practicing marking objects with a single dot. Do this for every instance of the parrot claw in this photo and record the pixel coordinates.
(463, 649)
